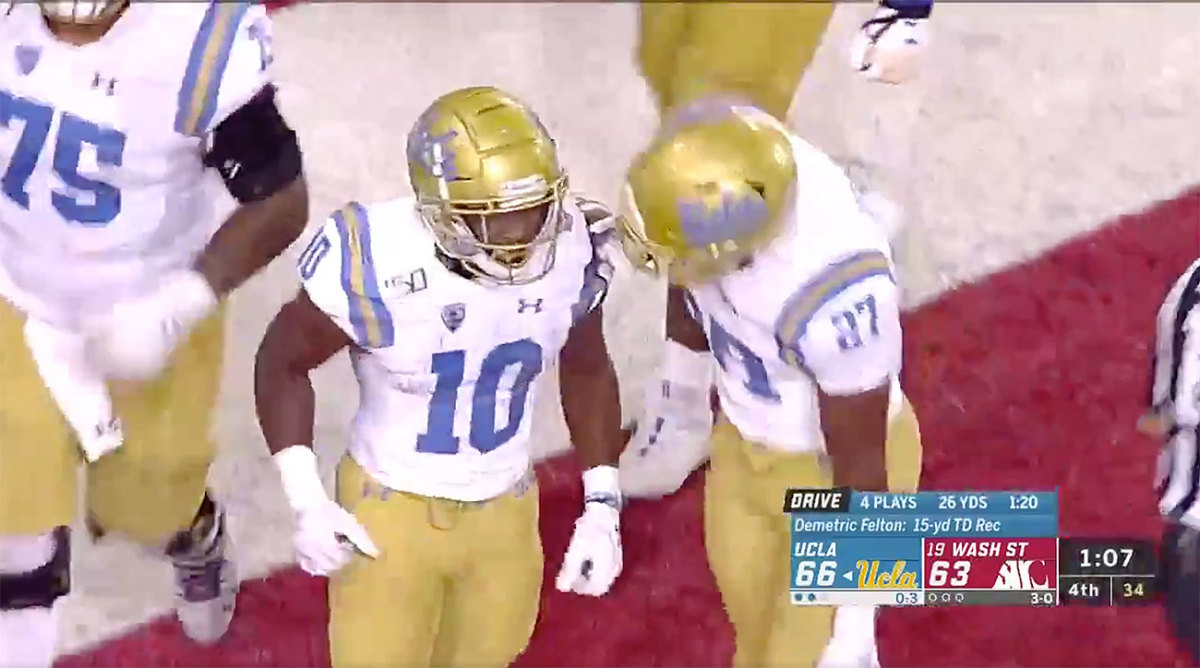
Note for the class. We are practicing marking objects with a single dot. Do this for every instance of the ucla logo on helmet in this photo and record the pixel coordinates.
(736, 216)
(433, 151)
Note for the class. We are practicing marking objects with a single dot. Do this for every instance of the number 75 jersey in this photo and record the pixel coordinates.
(102, 184)
(447, 365)
(815, 311)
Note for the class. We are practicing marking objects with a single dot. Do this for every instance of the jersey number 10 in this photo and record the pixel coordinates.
(449, 367)
(85, 201)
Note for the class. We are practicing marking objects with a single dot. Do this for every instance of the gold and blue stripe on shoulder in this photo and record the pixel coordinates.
(803, 304)
(369, 315)
(201, 85)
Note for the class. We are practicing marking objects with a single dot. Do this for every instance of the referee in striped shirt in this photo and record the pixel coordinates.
(1175, 416)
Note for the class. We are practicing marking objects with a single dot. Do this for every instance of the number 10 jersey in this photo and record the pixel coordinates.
(447, 366)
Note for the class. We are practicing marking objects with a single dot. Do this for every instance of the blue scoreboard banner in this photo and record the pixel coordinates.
(926, 548)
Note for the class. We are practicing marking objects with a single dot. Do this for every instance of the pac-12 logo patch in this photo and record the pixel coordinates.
(453, 315)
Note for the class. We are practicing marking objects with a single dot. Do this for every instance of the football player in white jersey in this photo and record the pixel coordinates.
(451, 304)
(792, 288)
(690, 51)
(118, 123)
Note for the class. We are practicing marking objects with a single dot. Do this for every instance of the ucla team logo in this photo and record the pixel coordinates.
(27, 57)
(732, 218)
(870, 576)
(432, 151)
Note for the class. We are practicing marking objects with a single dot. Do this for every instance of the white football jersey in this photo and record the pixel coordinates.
(818, 308)
(446, 365)
(102, 185)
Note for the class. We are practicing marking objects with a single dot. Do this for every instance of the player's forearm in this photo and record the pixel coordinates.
(855, 429)
(865, 471)
(589, 393)
(283, 397)
(591, 405)
(285, 403)
(254, 235)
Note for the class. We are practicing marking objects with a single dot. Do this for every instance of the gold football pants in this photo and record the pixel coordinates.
(748, 540)
(148, 489)
(687, 50)
(455, 584)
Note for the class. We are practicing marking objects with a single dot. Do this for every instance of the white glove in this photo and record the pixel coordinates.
(594, 559)
(327, 535)
(78, 388)
(671, 439)
(853, 642)
(135, 339)
(887, 47)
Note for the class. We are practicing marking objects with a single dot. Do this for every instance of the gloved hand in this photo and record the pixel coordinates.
(853, 642)
(594, 558)
(671, 440)
(327, 535)
(77, 388)
(135, 339)
(887, 46)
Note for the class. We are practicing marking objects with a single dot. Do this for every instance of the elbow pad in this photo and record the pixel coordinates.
(254, 150)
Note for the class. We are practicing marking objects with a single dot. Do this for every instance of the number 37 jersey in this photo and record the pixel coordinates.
(447, 365)
(102, 185)
(816, 311)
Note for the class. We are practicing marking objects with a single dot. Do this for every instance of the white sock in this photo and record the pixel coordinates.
(27, 637)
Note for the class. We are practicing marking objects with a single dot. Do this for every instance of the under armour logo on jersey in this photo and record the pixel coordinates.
(453, 315)
(106, 84)
(735, 216)
(534, 305)
(27, 58)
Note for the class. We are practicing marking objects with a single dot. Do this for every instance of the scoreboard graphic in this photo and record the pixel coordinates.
(954, 548)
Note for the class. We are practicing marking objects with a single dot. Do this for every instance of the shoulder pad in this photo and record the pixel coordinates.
(594, 212)
(338, 270)
(598, 273)
(843, 325)
(227, 62)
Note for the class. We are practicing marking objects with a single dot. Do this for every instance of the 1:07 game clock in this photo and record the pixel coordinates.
(1107, 571)
(1092, 556)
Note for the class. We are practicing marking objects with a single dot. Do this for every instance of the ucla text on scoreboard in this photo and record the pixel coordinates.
(942, 548)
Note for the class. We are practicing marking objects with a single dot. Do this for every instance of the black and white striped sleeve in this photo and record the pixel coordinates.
(1175, 375)
(1175, 396)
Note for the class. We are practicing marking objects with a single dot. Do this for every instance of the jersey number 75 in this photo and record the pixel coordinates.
(84, 200)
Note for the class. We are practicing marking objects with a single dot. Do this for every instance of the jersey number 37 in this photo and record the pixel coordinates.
(82, 200)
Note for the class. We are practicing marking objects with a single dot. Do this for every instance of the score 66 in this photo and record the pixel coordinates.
(808, 571)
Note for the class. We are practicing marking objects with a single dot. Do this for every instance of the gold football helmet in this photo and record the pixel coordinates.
(713, 187)
(81, 13)
(488, 184)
